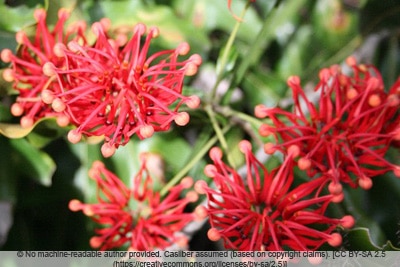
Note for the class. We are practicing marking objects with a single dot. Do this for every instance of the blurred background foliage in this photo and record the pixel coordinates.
(41, 172)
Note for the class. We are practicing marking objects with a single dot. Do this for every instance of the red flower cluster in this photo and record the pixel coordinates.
(346, 135)
(120, 92)
(112, 88)
(138, 217)
(26, 66)
(263, 211)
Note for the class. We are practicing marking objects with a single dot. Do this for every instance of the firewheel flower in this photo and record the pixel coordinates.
(116, 92)
(347, 133)
(263, 210)
(26, 66)
(137, 217)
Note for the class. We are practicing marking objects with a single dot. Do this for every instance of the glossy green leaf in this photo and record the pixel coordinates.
(174, 149)
(360, 239)
(11, 130)
(45, 132)
(34, 163)
(296, 55)
(15, 131)
(16, 17)
(173, 30)
(38, 140)
(380, 201)
(356, 204)
(390, 247)
(126, 159)
(277, 21)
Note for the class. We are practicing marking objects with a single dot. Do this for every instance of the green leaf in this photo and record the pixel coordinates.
(126, 159)
(174, 149)
(389, 246)
(34, 163)
(173, 29)
(16, 17)
(15, 131)
(296, 54)
(356, 203)
(12, 130)
(45, 132)
(380, 201)
(360, 239)
(280, 18)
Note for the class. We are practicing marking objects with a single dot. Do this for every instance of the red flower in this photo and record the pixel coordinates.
(345, 136)
(26, 66)
(138, 217)
(118, 92)
(262, 211)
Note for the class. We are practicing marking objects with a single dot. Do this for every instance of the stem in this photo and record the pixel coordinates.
(246, 121)
(226, 51)
(219, 133)
(191, 163)
(228, 112)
